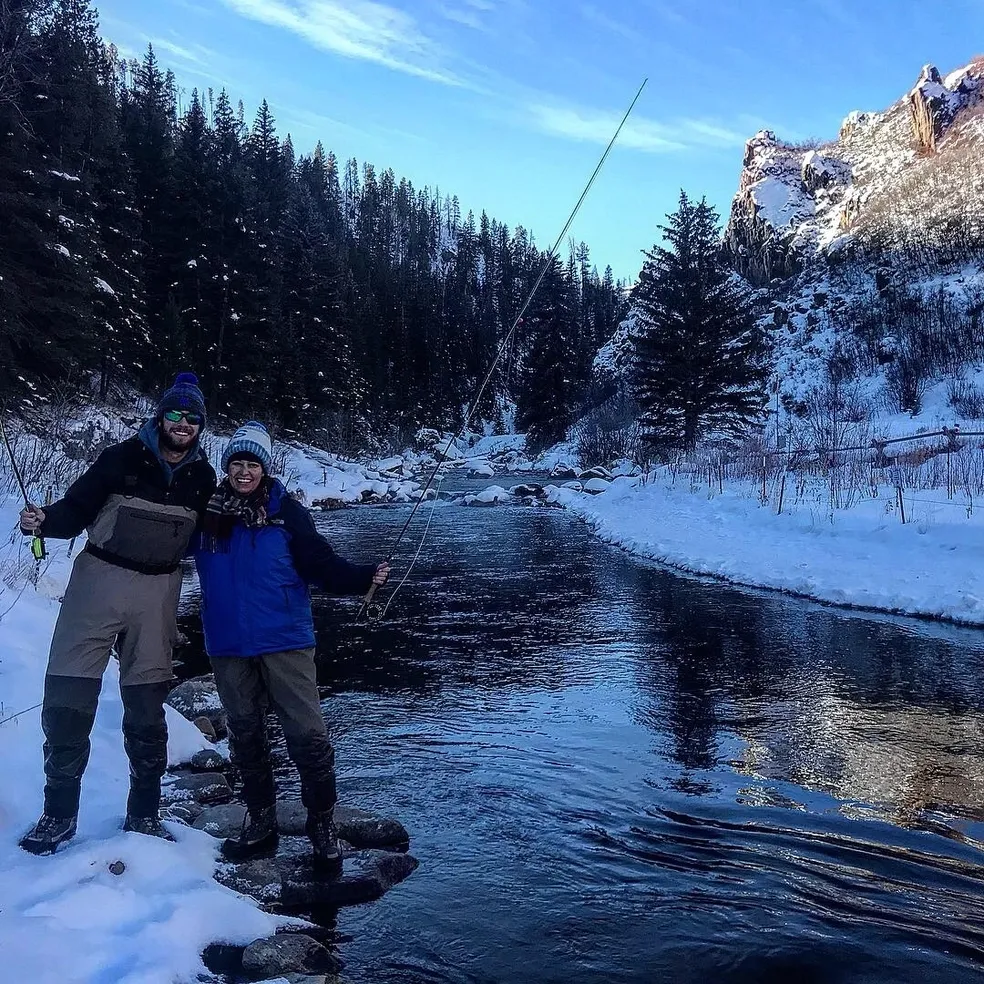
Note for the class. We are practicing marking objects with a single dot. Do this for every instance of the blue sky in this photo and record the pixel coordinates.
(509, 103)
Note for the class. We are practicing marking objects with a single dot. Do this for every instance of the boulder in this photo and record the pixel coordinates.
(359, 828)
(198, 697)
(290, 880)
(563, 470)
(491, 496)
(481, 469)
(208, 760)
(184, 811)
(205, 788)
(595, 473)
(224, 820)
(329, 504)
(206, 727)
(596, 485)
(288, 953)
(523, 491)
(366, 830)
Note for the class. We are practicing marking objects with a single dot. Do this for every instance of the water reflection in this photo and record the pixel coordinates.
(612, 773)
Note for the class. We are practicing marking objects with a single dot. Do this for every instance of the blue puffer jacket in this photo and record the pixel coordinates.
(255, 595)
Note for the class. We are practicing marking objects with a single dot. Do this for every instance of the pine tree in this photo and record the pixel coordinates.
(700, 357)
(549, 386)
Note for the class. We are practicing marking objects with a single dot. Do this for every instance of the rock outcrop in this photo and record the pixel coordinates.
(798, 204)
(934, 103)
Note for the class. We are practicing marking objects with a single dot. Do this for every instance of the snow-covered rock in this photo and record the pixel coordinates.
(480, 469)
(596, 485)
(491, 496)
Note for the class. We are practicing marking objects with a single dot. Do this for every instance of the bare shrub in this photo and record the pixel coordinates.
(907, 378)
(607, 433)
(966, 398)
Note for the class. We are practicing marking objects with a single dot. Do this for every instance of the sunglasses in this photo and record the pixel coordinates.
(175, 416)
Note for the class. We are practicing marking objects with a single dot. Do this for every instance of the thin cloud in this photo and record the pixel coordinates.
(197, 54)
(357, 29)
(639, 133)
(598, 17)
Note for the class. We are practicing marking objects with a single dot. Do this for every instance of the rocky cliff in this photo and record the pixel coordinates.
(867, 251)
(890, 180)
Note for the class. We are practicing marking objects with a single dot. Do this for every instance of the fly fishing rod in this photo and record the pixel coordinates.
(37, 542)
(373, 612)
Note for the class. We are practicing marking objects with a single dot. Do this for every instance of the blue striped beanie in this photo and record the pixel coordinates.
(252, 438)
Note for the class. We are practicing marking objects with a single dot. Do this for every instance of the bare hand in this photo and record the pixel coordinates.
(31, 518)
(382, 573)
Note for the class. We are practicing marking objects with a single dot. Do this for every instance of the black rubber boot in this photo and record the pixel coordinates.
(145, 741)
(320, 828)
(67, 716)
(149, 826)
(258, 836)
(48, 833)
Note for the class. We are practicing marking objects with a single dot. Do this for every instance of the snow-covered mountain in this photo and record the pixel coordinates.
(868, 250)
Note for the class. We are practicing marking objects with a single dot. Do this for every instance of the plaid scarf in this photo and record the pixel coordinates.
(227, 508)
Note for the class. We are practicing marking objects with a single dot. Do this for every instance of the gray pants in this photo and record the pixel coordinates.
(285, 682)
(106, 606)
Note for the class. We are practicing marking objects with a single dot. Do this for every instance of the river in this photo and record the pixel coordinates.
(613, 773)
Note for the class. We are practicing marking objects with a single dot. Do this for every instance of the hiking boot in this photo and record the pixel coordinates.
(149, 826)
(320, 828)
(48, 833)
(258, 836)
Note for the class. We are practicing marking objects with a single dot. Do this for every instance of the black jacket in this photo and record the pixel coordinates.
(140, 513)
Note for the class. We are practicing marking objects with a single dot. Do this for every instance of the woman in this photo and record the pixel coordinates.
(257, 555)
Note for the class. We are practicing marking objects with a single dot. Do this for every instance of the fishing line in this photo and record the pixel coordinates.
(367, 605)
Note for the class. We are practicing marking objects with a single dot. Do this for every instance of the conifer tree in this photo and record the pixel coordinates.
(700, 360)
(548, 389)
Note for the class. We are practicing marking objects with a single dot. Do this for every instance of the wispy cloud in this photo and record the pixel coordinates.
(667, 11)
(640, 133)
(599, 18)
(469, 13)
(358, 29)
(196, 54)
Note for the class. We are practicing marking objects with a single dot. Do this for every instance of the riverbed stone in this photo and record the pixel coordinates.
(360, 828)
(183, 811)
(290, 879)
(288, 953)
(208, 760)
(222, 821)
(199, 697)
(206, 727)
(204, 787)
(527, 491)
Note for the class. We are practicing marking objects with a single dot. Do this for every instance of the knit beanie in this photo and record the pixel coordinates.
(252, 438)
(184, 394)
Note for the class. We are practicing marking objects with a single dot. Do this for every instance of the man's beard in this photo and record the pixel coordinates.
(169, 444)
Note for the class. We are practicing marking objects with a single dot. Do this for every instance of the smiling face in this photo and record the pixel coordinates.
(178, 435)
(244, 475)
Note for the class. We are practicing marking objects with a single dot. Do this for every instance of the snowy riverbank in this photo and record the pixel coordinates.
(67, 918)
(863, 556)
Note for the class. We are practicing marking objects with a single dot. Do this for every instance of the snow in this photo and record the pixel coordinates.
(62, 249)
(65, 177)
(66, 918)
(779, 203)
(103, 286)
(863, 556)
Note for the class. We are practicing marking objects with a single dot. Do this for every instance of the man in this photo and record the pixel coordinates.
(140, 504)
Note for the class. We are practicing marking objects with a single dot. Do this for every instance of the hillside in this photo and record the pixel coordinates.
(867, 251)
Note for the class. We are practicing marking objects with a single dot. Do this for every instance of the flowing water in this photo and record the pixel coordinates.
(613, 773)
